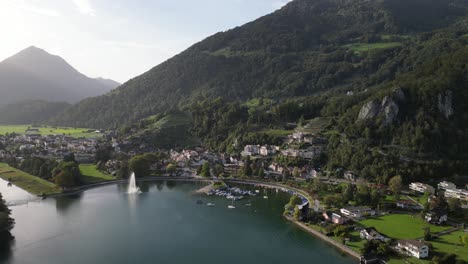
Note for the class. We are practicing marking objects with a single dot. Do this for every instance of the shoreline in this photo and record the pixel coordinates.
(337, 245)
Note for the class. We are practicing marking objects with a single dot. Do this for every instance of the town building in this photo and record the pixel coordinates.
(413, 248)
(446, 185)
(407, 204)
(421, 187)
(436, 216)
(357, 211)
(457, 193)
(350, 176)
(372, 234)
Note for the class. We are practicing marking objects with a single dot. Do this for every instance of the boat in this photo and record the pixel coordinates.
(210, 204)
(257, 191)
(232, 205)
(265, 197)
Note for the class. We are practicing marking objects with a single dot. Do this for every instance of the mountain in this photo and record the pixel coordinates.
(34, 74)
(111, 84)
(307, 47)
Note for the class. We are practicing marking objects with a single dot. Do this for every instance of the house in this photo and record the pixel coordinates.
(357, 211)
(421, 187)
(436, 216)
(338, 219)
(413, 248)
(327, 216)
(372, 234)
(446, 185)
(251, 150)
(408, 204)
(457, 193)
(350, 176)
(268, 150)
(276, 167)
(301, 137)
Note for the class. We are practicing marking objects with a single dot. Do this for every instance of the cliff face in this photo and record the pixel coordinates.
(387, 108)
(445, 103)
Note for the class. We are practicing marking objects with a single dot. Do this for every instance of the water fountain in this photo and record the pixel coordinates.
(132, 188)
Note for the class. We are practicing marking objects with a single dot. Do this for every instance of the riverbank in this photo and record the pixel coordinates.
(26, 181)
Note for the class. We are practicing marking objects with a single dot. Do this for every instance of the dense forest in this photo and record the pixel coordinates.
(391, 81)
(30, 112)
(6, 225)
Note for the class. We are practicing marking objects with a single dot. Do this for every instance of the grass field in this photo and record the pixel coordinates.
(89, 174)
(356, 243)
(364, 47)
(73, 132)
(27, 182)
(401, 226)
(451, 244)
(277, 132)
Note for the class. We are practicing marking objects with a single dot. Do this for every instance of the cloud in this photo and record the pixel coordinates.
(31, 8)
(85, 7)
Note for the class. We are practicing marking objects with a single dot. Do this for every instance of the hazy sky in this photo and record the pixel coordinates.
(119, 39)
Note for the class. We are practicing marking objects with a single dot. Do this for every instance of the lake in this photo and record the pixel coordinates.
(161, 225)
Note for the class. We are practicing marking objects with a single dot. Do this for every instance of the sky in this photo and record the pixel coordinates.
(119, 39)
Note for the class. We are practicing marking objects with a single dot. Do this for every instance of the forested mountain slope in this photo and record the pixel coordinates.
(306, 48)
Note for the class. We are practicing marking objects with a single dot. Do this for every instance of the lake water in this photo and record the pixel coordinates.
(161, 225)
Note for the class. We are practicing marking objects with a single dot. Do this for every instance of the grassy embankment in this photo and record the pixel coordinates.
(90, 175)
(27, 182)
(73, 132)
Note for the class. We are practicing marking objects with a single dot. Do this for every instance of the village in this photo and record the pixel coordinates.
(367, 218)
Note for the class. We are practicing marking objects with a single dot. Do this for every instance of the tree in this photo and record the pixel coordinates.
(170, 168)
(296, 173)
(6, 224)
(448, 259)
(333, 200)
(427, 234)
(123, 171)
(454, 204)
(218, 170)
(395, 185)
(295, 200)
(205, 171)
(464, 239)
(65, 179)
(297, 213)
(247, 167)
(348, 193)
(67, 174)
(69, 158)
(140, 166)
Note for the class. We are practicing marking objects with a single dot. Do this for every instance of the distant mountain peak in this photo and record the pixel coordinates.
(35, 74)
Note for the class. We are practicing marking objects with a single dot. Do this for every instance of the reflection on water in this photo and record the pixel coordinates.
(6, 246)
(64, 203)
(144, 186)
(171, 184)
